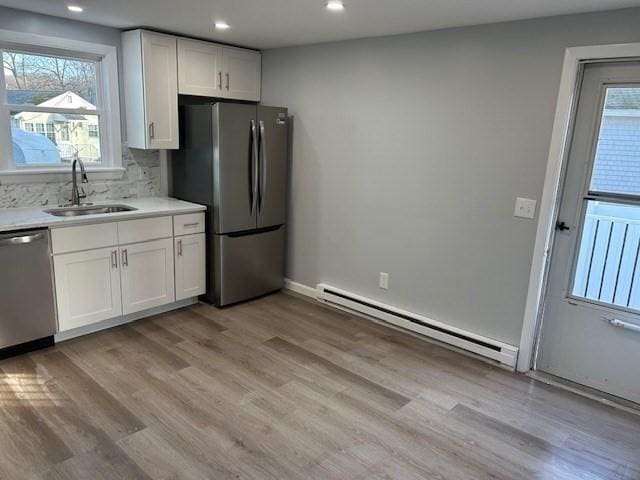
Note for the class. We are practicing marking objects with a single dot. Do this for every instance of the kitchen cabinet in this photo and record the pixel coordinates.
(151, 89)
(190, 265)
(147, 275)
(210, 70)
(106, 270)
(87, 287)
(242, 72)
(199, 68)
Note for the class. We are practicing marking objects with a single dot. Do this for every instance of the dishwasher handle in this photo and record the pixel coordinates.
(12, 240)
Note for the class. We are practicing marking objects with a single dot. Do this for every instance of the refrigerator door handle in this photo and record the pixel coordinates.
(263, 174)
(253, 194)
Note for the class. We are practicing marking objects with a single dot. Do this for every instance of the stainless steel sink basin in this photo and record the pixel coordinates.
(88, 210)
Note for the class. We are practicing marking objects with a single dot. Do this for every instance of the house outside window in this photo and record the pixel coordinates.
(59, 102)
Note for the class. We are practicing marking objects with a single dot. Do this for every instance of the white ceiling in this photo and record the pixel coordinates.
(276, 23)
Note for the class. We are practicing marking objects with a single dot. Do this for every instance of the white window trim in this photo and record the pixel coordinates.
(107, 73)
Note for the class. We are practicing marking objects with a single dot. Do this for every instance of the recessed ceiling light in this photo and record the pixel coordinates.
(335, 5)
(75, 8)
(222, 25)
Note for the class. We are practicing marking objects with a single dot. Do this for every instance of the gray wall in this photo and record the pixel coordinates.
(132, 184)
(409, 153)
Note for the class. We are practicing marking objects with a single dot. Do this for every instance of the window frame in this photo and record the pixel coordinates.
(108, 107)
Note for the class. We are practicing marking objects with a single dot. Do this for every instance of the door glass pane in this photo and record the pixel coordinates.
(617, 161)
(607, 266)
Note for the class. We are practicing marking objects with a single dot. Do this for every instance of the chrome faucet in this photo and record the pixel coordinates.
(78, 194)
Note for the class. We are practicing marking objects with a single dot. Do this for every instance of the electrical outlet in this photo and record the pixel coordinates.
(525, 208)
(144, 173)
(384, 280)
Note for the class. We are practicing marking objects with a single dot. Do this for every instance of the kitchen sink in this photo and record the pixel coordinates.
(88, 210)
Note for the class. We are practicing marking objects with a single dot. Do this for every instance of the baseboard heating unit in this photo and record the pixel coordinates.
(486, 347)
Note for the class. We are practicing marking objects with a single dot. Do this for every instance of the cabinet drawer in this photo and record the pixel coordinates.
(188, 224)
(83, 237)
(133, 231)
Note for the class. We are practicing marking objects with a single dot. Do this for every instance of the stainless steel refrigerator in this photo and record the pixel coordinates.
(233, 158)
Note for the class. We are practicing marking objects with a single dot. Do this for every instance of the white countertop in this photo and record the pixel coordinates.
(35, 217)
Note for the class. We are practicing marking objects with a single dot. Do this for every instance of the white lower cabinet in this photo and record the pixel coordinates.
(145, 268)
(190, 265)
(147, 275)
(87, 287)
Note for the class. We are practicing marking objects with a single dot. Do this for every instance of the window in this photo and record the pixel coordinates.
(58, 102)
(51, 134)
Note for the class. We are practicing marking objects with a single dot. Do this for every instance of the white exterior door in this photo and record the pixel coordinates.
(242, 69)
(591, 323)
(190, 266)
(87, 287)
(147, 275)
(160, 90)
(199, 68)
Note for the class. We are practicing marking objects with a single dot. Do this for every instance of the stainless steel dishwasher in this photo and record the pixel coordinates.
(27, 312)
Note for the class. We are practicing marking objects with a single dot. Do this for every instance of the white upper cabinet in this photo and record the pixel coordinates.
(199, 68)
(242, 72)
(157, 67)
(151, 89)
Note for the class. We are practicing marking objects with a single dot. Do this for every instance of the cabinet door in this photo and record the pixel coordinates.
(160, 68)
(242, 69)
(199, 68)
(147, 275)
(190, 266)
(87, 287)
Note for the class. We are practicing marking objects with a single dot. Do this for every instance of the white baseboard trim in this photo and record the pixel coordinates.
(299, 288)
(114, 322)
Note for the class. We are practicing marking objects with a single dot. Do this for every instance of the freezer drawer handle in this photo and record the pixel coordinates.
(21, 240)
(622, 324)
(263, 175)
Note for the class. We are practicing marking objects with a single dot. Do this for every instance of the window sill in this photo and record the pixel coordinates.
(43, 175)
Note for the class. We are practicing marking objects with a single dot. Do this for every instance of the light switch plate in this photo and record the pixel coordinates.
(525, 208)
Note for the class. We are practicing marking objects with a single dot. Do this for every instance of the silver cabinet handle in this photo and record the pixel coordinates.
(219, 80)
(21, 239)
(179, 248)
(125, 258)
(263, 174)
(152, 132)
(114, 258)
(227, 81)
(187, 225)
(622, 324)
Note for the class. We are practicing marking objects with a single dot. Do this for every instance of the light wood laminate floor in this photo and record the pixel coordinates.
(281, 388)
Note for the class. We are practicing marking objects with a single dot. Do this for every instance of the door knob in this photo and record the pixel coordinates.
(562, 226)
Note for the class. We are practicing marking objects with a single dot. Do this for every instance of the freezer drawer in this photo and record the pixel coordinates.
(248, 265)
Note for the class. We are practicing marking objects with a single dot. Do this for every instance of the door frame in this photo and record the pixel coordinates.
(570, 79)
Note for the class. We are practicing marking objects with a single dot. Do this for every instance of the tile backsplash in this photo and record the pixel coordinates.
(141, 179)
